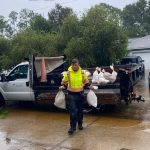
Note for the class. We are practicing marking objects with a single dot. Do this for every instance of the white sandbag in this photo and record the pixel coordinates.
(113, 75)
(95, 78)
(112, 67)
(60, 100)
(94, 81)
(92, 98)
(87, 73)
(103, 81)
(106, 75)
(100, 75)
(95, 87)
(63, 73)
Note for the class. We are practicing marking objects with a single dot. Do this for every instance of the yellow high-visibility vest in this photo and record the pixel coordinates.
(75, 80)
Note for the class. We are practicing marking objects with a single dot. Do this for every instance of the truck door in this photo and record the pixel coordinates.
(17, 85)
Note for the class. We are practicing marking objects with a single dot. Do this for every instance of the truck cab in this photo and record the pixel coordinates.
(133, 60)
(15, 85)
(23, 82)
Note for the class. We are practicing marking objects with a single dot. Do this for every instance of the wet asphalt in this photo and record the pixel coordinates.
(123, 127)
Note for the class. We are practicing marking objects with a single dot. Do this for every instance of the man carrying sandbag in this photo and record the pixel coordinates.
(74, 80)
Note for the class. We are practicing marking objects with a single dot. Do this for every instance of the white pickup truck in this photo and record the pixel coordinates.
(23, 82)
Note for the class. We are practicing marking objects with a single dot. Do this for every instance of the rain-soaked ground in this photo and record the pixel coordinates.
(122, 128)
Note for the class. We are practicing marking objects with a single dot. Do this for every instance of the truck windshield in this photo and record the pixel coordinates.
(128, 61)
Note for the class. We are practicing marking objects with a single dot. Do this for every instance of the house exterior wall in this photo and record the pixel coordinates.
(140, 47)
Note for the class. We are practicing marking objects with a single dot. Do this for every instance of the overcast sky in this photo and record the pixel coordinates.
(43, 6)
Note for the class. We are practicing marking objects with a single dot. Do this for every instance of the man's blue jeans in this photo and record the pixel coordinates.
(75, 104)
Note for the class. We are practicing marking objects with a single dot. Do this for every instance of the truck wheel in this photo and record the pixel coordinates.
(2, 101)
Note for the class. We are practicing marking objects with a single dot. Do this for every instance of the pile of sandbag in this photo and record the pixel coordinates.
(102, 77)
(98, 77)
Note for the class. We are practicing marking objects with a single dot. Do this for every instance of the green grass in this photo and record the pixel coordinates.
(3, 113)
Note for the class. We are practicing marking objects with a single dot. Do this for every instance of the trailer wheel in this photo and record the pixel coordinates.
(2, 101)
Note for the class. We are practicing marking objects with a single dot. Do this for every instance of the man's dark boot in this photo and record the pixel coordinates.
(80, 127)
(71, 131)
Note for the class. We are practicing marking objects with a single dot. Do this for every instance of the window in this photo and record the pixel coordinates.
(19, 73)
(128, 61)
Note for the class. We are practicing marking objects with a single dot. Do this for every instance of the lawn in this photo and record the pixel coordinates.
(3, 113)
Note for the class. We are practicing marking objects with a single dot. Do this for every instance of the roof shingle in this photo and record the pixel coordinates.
(139, 43)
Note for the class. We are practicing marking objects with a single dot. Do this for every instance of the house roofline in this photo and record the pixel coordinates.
(139, 49)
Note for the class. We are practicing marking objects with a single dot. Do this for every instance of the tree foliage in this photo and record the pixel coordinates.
(70, 28)
(5, 46)
(57, 15)
(97, 38)
(25, 16)
(102, 36)
(3, 25)
(40, 24)
(136, 18)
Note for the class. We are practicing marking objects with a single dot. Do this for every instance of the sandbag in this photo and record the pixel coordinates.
(95, 87)
(95, 77)
(92, 98)
(107, 75)
(113, 75)
(102, 80)
(60, 100)
(88, 74)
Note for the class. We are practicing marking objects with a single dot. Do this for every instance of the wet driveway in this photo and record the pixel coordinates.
(121, 128)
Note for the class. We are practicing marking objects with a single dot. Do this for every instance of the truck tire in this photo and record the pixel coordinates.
(2, 101)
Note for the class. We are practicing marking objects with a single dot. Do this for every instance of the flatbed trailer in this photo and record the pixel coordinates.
(23, 83)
